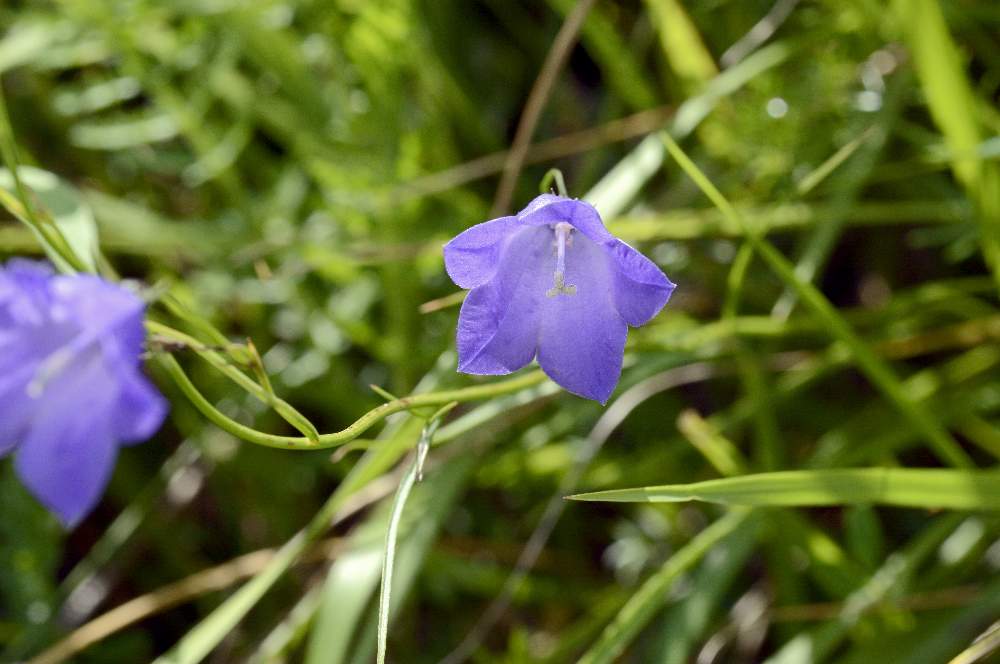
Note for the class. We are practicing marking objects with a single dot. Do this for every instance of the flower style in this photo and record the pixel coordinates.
(71, 384)
(551, 281)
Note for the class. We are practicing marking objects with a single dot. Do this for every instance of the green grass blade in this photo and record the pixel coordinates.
(340, 629)
(413, 475)
(432, 501)
(880, 374)
(67, 209)
(389, 558)
(290, 632)
(682, 44)
(954, 107)
(623, 70)
(928, 488)
(350, 584)
(942, 76)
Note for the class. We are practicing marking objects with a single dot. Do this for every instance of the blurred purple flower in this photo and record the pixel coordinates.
(71, 384)
(552, 282)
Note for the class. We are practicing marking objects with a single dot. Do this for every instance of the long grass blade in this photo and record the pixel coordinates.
(925, 488)
(877, 371)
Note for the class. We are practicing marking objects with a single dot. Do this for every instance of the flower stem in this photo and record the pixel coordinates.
(21, 207)
(362, 424)
(553, 174)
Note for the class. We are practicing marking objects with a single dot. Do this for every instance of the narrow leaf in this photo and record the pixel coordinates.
(901, 487)
(67, 209)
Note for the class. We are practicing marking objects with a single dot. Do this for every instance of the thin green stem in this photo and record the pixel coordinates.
(413, 475)
(12, 162)
(553, 175)
(362, 424)
(288, 412)
(48, 233)
(751, 374)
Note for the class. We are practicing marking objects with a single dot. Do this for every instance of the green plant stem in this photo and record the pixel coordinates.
(413, 475)
(362, 424)
(553, 175)
(288, 412)
(750, 372)
(47, 232)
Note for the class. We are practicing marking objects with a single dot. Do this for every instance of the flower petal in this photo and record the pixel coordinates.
(472, 257)
(641, 288)
(582, 337)
(498, 324)
(68, 455)
(139, 412)
(548, 209)
(102, 310)
(16, 407)
(24, 292)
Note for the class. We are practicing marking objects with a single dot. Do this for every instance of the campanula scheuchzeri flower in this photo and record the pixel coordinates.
(71, 383)
(551, 282)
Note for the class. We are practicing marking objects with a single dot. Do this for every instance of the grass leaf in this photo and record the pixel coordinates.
(927, 488)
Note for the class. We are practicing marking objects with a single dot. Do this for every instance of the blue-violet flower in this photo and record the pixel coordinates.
(551, 281)
(71, 384)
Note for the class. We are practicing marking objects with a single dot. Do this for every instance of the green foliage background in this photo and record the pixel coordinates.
(288, 171)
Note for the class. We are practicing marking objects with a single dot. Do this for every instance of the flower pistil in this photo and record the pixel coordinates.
(562, 231)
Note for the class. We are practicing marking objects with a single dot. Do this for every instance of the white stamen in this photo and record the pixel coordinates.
(50, 368)
(562, 231)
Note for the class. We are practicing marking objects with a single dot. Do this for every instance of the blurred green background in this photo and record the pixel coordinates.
(290, 170)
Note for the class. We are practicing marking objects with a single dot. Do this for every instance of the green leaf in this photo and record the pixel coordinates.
(24, 41)
(354, 577)
(65, 206)
(901, 487)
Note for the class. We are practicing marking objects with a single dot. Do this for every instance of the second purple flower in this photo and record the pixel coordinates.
(71, 383)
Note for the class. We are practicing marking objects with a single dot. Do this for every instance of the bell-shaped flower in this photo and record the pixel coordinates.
(71, 383)
(551, 282)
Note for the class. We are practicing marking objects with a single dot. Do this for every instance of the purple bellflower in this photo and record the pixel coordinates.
(551, 282)
(71, 384)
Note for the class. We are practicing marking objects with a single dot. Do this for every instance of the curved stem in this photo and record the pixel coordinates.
(553, 175)
(288, 412)
(361, 425)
